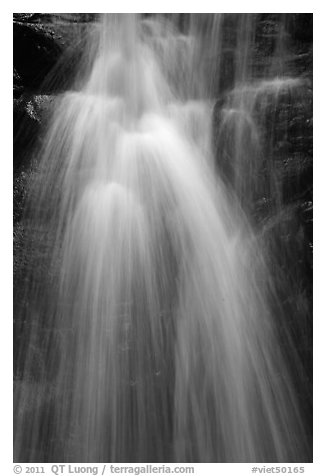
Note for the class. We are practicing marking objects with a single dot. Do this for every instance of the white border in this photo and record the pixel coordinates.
(318, 467)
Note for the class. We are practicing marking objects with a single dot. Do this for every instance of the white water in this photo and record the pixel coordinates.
(161, 341)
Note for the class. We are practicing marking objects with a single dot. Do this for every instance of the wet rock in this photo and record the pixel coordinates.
(18, 84)
(45, 48)
(36, 51)
(30, 113)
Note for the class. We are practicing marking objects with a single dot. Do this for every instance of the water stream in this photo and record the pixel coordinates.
(150, 335)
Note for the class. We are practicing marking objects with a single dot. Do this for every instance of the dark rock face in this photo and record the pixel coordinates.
(46, 44)
(42, 43)
(36, 51)
(30, 112)
(264, 109)
(263, 144)
(45, 55)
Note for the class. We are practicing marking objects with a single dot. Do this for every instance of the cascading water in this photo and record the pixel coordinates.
(150, 304)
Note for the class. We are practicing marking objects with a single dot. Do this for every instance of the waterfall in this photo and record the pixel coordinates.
(150, 333)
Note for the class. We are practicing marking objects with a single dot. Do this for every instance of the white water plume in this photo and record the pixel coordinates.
(161, 343)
